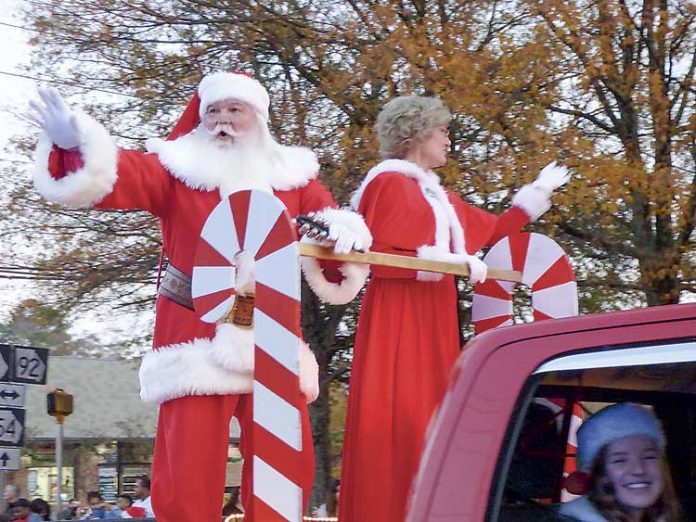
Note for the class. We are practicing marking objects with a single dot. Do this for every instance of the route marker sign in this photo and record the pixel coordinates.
(11, 427)
(9, 459)
(12, 395)
(24, 364)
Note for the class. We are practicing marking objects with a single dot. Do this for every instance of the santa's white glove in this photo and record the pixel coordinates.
(535, 198)
(344, 239)
(478, 270)
(57, 119)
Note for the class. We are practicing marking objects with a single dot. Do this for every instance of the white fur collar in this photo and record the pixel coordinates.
(204, 167)
(447, 226)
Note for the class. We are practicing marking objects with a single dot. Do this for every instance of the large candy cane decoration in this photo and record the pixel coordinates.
(258, 223)
(545, 270)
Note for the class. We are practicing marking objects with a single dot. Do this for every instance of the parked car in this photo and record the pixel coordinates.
(499, 445)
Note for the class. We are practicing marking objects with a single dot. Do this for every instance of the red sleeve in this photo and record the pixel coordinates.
(399, 218)
(481, 228)
(314, 197)
(142, 184)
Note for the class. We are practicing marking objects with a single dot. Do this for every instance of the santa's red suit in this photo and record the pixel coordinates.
(408, 336)
(200, 374)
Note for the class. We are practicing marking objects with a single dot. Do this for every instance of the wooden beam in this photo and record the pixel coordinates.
(413, 263)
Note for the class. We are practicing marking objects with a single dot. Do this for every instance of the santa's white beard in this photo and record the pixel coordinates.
(245, 163)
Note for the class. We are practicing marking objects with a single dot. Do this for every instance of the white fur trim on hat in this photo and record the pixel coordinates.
(613, 423)
(238, 86)
(89, 184)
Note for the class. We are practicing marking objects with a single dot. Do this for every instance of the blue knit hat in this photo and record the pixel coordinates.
(613, 423)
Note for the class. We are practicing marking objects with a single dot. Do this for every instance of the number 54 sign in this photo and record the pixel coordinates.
(23, 364)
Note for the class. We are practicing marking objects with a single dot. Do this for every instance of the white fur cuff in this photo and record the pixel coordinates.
(532, 200)
(344, 292)
(233, 348)
(309, 373)
(434, 253)
(89, 184)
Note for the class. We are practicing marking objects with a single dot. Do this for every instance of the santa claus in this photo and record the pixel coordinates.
(200, 374)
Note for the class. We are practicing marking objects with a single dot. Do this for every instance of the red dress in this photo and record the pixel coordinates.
(408, 333)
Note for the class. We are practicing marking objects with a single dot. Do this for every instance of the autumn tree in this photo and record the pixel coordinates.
(606, 87)
(625, 100)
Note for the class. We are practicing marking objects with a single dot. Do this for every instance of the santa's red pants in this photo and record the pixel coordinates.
(188, 472)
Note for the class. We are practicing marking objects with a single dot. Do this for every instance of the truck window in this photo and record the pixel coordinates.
(535, 472)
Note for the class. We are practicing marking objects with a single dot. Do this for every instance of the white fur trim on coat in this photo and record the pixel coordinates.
(309, 373)
(344, 292)
(213, 367)
(280, 168)
(233, 348)
(448, 229)
(354, 274)
(189, 368)
(532, 200)
(91, 183)
(433, 253)
(449, 234)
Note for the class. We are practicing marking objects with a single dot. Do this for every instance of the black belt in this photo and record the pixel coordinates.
(176, 286)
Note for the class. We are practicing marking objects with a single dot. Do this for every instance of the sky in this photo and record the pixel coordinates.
(15, 93)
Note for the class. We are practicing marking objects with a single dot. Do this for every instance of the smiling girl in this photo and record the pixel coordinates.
(622, 448)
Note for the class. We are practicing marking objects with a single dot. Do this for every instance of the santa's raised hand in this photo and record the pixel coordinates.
(56, 118)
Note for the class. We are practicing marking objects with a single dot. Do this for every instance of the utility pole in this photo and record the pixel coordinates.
(59, 404)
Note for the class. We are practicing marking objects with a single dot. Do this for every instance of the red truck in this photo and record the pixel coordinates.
(498, 447)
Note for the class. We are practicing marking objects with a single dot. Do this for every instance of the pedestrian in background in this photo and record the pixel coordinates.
(41, 508)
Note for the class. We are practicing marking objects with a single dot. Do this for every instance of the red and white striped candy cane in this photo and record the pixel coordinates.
(545, 270)
(258, 223)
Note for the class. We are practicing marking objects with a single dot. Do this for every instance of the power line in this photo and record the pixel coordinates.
(6, 24)
(66, 83)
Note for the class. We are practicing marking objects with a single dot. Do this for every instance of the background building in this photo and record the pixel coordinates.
(109, 438)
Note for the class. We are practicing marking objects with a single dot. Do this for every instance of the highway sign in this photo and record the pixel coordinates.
(30, 365)
(23, 364)
(12, 395)
(11, 427)
(9, 459)
(6, 355)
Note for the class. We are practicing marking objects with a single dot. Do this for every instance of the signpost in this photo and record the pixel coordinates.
(23, 365)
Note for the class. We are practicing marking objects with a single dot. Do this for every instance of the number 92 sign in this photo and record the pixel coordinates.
(23, 364)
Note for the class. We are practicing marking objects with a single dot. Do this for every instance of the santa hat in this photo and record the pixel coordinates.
(235, 85)
(611, 424)
(222, 86)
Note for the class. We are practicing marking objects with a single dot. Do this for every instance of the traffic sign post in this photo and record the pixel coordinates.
(18, 364)
(59, 404)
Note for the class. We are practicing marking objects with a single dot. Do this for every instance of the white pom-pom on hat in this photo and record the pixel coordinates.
(614, 423)
(240, 86)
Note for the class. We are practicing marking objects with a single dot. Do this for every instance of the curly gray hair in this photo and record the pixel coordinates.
(406, 120)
